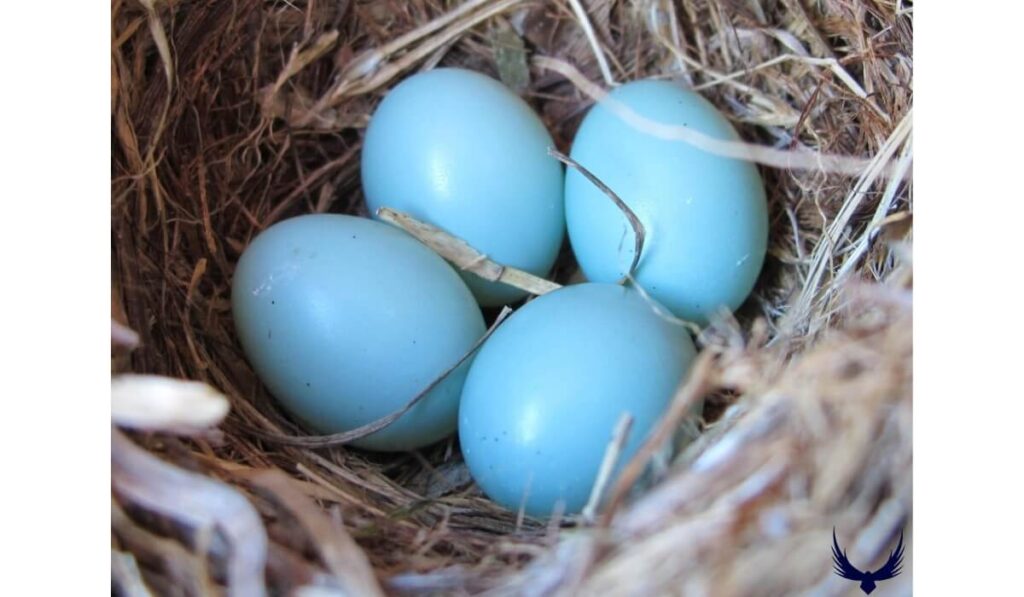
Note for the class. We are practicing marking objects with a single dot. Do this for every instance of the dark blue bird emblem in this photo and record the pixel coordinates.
(868, 580)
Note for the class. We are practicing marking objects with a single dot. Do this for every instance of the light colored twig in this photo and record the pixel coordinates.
(824, 251)
(699, 382)
(464, 256)
(595, 44)
(662, 15)
(611, 457)
(768, 156)
(884, 205)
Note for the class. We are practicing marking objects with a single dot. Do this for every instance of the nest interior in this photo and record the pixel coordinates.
(230, 115)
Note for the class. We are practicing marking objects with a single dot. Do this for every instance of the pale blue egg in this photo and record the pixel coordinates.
(705, 216)
(546, 390)
(346, 319)
(459, 150)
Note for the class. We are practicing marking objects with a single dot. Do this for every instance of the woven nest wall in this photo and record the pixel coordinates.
(230, 115)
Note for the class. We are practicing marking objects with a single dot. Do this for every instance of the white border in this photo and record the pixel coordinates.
(968, 415)
(54, 296)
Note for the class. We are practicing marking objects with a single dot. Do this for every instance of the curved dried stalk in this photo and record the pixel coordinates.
(340, 439)
(768, 156)
(639, 233)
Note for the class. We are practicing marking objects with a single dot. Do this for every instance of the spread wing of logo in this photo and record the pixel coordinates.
(892, 567)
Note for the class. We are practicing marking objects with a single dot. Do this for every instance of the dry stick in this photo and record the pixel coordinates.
(768, 156)
(825, 249)
(884, 205)
(595, 45)
(660, 17)
(639, 234)
(521, 512)
(464, 256)
(337, 439)
(611, 458)
(661, 311)
(698, 384)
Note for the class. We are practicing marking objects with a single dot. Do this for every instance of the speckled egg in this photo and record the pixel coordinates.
(546, 390)
(346, 319)
(705, 216)
(459, 150)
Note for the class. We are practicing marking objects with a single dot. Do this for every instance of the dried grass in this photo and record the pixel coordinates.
(228, 116)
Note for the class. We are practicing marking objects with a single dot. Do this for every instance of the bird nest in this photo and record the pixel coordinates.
(229, 116)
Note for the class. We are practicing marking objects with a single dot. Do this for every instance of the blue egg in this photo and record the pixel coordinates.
(346, 319)
(459, 150)
(546, 390)
(705, 216)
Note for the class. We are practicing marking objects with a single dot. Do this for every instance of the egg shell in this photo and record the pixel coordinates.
(461, 151)
(346, 319)
(546, 390)
(705, 217)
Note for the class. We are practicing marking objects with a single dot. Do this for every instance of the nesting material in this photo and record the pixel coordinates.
(229, 116)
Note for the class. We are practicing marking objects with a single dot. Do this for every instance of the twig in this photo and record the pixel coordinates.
(688, 393)
(595, 45)
(884, 205)
(611, 458)
(639, 233)
(464, 256)
(521, 512)
(660, 309)
(824, 251)
(768, 156)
